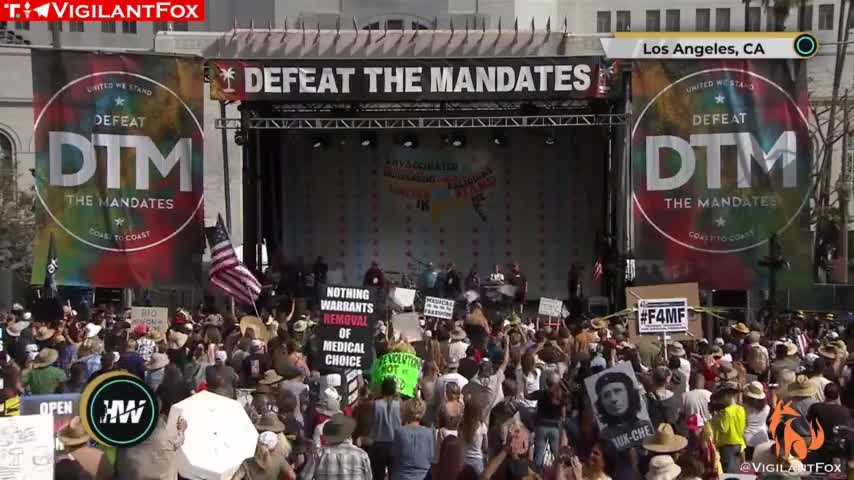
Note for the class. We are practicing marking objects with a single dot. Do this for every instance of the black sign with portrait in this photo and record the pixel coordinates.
(618, 400)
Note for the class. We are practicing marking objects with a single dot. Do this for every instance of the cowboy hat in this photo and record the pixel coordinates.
(801, 387)
(338, 429)
(839, 344)
(73, 434)
(176, 340)
(741, 328)
(828, 351)
(598, 324)
(663, 467)
(255, 323)
(665, 441)
(157, 361)
(44, 334)
(330, 403)
(270, 377)
(300, 326)
(800, 314)
(676, 349)
(829, 316)
(92, 330)
(791, 348)
(45, 358)
(15, 329)
(269, 422)
(458, 334)
(754, 390)
(155, 335)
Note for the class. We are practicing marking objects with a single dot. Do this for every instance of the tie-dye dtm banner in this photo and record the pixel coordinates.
(721, 160)
(118, 143)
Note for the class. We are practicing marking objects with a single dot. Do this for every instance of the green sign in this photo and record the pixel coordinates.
(403, 367)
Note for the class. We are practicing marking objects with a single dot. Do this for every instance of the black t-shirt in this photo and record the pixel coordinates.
(548, 412)
(468, 368)
(518, 280)
(828, 416)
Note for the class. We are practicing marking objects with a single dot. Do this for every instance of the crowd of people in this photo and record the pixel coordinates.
(499, 397)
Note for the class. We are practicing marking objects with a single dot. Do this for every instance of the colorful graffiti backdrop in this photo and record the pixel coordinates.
(721, 160)
(118, 170)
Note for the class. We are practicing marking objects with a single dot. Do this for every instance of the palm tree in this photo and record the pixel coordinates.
(781, 9)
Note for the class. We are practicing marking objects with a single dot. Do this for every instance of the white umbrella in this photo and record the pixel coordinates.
(219, 436)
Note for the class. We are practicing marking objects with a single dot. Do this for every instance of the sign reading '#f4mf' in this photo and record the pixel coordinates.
(118, 175)
(721, 161)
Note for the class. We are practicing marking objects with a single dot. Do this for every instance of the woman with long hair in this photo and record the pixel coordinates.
(414, 443)
(270, 460)
(427, 390)
(757, 409)
(473, 432)
(528, 380)
(569, 467)
(386, 421)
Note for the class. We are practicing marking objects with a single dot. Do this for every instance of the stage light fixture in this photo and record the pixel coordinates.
(368, 140)
(318, 142)
(458, 141)
(409, 141)
(550, 139)
(499, 139)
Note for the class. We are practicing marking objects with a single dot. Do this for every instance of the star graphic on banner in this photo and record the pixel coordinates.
(720, 222)
(720, 98)
(119, 222)
(120, 101)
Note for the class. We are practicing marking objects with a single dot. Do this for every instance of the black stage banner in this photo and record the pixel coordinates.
(414, 79)
(348, 318)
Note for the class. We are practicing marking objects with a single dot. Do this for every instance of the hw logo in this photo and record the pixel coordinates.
(120, 411)
(790, 442)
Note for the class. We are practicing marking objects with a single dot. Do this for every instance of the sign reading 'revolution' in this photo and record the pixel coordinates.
(346, 329)
(412, 79)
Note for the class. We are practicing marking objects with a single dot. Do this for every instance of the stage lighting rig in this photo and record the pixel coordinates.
(458, 140)
(409, 141)
(499, 139)
(550, 139)
(368, 140)
(318, 142)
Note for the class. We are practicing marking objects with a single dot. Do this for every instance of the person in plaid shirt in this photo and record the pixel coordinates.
(145, 345)
(339, 459)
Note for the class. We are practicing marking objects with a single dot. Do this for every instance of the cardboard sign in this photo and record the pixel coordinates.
(63, 407)
(157, 318)
(403, 367)
(348, 316)
(618, 400)
(26, 447)
(408, 326)
(662, 315)
(689, 291)
(439, 308)
(550, 307)
(402, 297)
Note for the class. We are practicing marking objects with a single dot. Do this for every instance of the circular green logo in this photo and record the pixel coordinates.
(806, 45)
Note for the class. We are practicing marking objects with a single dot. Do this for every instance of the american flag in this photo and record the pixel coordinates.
(227, 272)
(597, 269)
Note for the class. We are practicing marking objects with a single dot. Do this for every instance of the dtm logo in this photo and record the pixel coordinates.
(118, 409)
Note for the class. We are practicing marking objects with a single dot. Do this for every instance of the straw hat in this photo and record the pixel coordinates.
(802, 387)
(598, 324)
(754, 390)
(741, 328)
(791, 348)
(157, 361)
(43, 334)
(270, 377)
(828, 351)
(155, 335)
(829, 316)
(665, 441)
(458, 334)
(269, 422)
(176, 340)
(663, 467)
(255, 323)
(73, 434)
(676, 349)
(46, 358)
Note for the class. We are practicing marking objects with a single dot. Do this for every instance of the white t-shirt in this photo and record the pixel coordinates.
(685, 368)
(474, 450)
(820, 382)
(696, 402)
(531, 383)
(756, 431)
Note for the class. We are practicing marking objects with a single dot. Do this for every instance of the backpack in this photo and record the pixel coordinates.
(661, 411)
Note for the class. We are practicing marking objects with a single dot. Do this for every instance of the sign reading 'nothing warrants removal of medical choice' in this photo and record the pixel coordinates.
(662, 315)
(348, 316)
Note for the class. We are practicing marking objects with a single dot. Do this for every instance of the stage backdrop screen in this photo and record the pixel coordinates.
(118, 168)
(721, 160)
(481, 205)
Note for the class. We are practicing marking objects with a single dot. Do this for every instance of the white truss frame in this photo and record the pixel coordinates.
(576, 120)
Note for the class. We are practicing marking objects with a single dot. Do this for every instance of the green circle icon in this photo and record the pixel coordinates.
(806, 45)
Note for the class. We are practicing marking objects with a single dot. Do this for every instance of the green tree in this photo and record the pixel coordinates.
(17, 230)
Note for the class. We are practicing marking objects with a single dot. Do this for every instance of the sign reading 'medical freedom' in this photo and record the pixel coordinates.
(412, 79)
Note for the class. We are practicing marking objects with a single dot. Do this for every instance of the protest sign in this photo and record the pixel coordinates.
(157, 318)
(403, 367)
(408, 326)
(63, 407)
(550, 307)
(26, 447)
(689, 291)
(618, 400)
(662, 315)
(439, 308)
(346, 329)
(402, 297)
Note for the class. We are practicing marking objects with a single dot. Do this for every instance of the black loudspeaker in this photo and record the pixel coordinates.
(729, 298)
